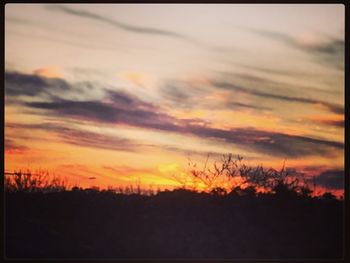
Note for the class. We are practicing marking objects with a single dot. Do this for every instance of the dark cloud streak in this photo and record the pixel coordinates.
(335, 123)
(121, 108)
(17, 84)
(246, 106)
(11, 145)
(330, 53)
(80, 137)
(233, 87)
(331, 179)
(120, 25)
(263, 141)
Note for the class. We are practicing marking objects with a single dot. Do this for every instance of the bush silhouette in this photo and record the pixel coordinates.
(26, 181)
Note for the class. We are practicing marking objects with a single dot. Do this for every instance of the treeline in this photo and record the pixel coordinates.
(229, 176)
(178, 224)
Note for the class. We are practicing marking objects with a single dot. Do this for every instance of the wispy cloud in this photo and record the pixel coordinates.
(95, 140)
(107, 112)
(78, 44)
(337, 123)
(234, 87)
(272, 143)
(11, 145)
(257, 140)
(119, 24)
(231, 105)
(119, 107)
(181, 94)
(81, 137)
(329, 122)
(49, 37)
(330, 52)
(266, 70)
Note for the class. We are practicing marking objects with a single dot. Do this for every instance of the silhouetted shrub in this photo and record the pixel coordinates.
(218, 191)
(41, 181)
(328, 196)
(305, 191)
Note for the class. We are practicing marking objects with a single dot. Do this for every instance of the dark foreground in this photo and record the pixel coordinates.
(170, 225)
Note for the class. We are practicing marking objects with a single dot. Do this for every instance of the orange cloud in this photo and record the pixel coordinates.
(330, 119)
(136, 78)
(49, 72)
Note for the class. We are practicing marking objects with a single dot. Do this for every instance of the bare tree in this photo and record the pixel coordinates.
(215, 178)
(234, 172)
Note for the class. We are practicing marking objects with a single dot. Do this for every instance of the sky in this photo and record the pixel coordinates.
(119, 94)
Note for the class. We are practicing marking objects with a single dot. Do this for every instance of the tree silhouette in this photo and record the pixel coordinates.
(236, 173)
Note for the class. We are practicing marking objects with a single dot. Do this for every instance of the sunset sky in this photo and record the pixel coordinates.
(108, 95)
